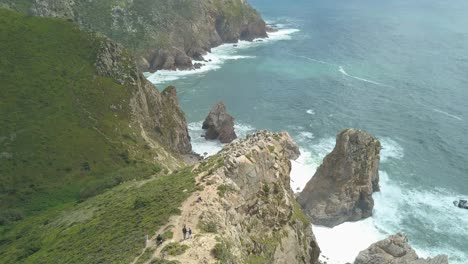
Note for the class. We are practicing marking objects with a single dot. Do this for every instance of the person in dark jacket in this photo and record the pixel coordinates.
(184, 231)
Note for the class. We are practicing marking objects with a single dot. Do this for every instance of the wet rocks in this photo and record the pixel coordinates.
(219, 124)
(395, 250)
(341, 189)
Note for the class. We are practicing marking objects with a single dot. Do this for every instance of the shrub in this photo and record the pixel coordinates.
(175, 249)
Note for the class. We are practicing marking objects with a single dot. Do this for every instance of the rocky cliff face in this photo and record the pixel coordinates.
(395, 250)
(245, 211)
(165, 34)
(219, 124)
(341, 189)
(158, 114)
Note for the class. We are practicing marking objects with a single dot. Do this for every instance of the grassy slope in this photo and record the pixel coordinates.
(59, 140)
(108, 228)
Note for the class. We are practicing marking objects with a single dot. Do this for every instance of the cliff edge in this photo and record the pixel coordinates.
(164, 34)
(245, 210)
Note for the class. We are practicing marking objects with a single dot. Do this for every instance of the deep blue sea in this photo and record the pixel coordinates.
(398, 69)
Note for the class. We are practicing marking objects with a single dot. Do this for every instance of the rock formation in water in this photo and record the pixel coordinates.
(158, 114)
(219, 124)
(165, 34)
(395, 250)
(341, 189)
(245, 211)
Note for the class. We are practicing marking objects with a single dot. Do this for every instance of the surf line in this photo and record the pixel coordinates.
(341, 69)
(314, 60)
(447, 114)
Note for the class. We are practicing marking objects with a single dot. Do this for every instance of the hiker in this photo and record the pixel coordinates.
(159, 240)
(189, 232)
(184, 231)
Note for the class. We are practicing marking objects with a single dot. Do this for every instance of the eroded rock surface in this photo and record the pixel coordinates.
(245, 207)
(158, 114)
(164, 34)
(395, 250)
(341, 189)
(219, 124)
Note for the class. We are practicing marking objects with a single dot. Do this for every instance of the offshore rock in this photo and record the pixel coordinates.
(395, 250)
(219, 124)
(341, 189)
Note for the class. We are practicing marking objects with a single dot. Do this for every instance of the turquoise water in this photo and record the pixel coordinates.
(398, 69)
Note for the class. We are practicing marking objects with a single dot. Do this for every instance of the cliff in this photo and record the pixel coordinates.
(164, 34)
(341, 189)
(395, 250)
(79, 117)
(244, 210)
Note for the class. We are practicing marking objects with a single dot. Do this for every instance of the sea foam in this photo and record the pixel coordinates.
(220, 55)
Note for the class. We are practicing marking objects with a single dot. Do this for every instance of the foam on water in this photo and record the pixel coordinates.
(447, 114)
(201, 146)
(390, 150)
(310, 112)
(219, 55)
(302, 170)
(341, 69)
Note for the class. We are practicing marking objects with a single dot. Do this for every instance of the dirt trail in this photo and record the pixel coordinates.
(200, 244)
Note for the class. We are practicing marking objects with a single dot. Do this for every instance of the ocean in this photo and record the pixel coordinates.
(398, 69)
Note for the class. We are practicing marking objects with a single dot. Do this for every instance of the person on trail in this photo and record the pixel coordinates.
(189, 232)
(159, 240)
(184, 231)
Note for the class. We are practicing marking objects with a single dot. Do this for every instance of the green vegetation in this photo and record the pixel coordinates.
(104, 229)
(145, 257)
(299, 215)
(174, 249)
(208, 226)
(160, 261)
(222, 253)
(223, 189)
(60, 140)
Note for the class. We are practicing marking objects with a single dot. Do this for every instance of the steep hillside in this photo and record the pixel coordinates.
(77, 117)
(244, 210)
(164, 33)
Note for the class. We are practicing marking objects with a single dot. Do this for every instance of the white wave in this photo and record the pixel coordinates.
(447, 114)
(391, 150)
(342, 244)
(302, 170)
(314, 60)
(201, 146)
(305, 135)
(431, 209)
(341, 69)
(310, 112)
(218, 56)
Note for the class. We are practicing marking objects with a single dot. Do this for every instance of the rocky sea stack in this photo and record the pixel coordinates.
(395, 250)
(341, 189)
(219, 124)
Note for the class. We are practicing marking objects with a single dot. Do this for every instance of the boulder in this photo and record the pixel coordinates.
(395, 250)
(219, 124)
(341, 189)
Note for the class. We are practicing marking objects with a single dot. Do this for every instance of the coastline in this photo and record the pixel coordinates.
(219, 55)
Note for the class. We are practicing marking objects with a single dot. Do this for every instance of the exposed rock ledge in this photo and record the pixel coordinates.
(341, 189)
(219, 124)
(164, 34)
(395, 250)
(246, 200)
(158, 114)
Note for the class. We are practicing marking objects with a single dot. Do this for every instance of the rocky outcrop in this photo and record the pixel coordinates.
(219, 124)
(245, 211)
(395, 250)
(341, 189)
(165, 34)
(158, 114)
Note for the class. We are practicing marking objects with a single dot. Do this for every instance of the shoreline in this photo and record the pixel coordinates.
(220, 55)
